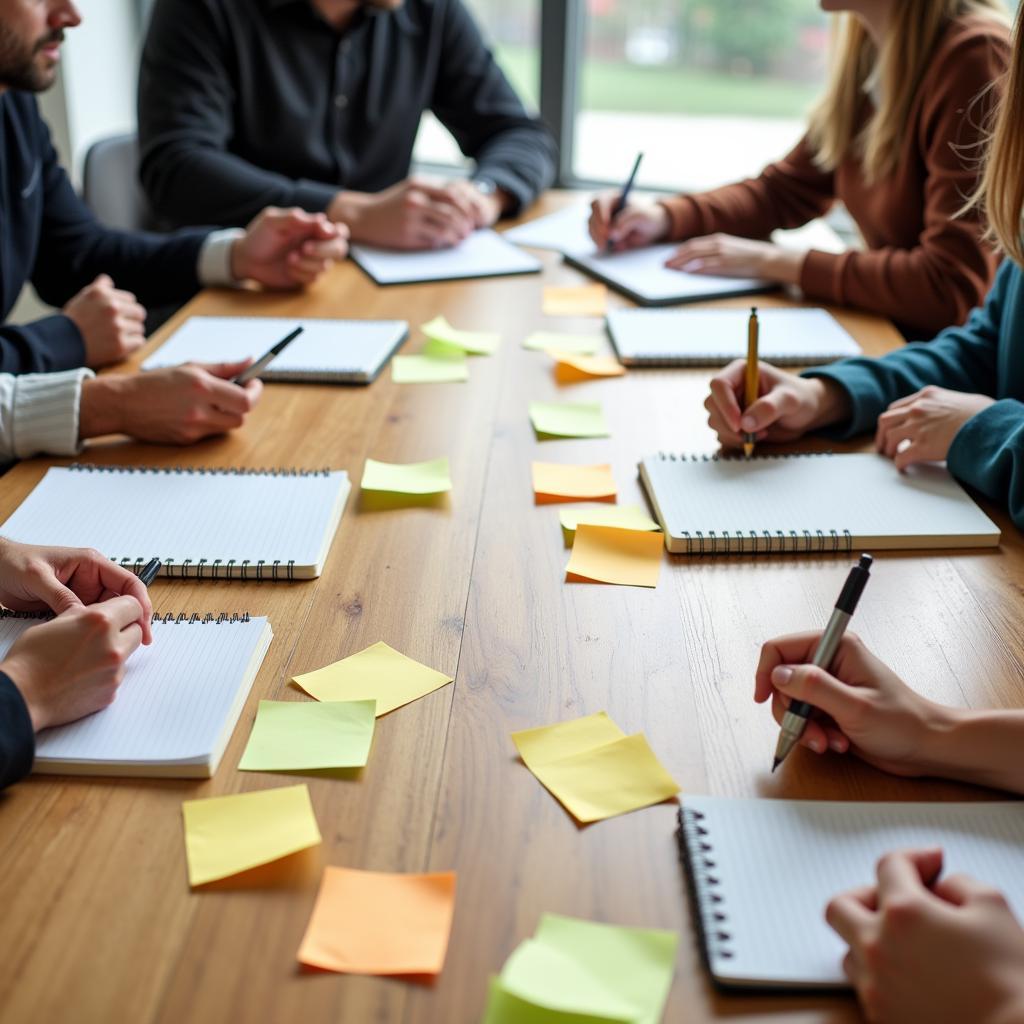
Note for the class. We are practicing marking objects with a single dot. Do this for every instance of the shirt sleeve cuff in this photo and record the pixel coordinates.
(44, 413)
(214, 266)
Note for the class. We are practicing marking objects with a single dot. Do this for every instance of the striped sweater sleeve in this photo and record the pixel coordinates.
(39, 413)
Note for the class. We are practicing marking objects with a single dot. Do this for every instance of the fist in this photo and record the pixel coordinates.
(111, 322)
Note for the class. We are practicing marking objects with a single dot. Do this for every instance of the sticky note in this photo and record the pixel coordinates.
(568, 419)
(626, 517)
(228, 834)
(570, 368)
(444, 336)
(553, 482)
(577, 300)
(292, 735)
(609, 554)
(377, 673)
(581, 971)
(429, 369)
(368, 922)
(547, 341)
(593, 769)
(431, 477)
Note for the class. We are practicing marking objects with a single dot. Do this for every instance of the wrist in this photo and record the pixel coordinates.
(782, 265)
(831, 402)
(347, 208)
(101, 406)
(663, 222)
(20, 673)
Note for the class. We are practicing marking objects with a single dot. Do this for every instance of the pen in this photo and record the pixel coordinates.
(149, 571)
(620, 203)
(794, 721)
(753, 329)
(254, 371)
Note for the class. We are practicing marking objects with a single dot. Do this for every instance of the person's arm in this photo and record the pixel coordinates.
(17, 737)
(39, 413)
(475, 102)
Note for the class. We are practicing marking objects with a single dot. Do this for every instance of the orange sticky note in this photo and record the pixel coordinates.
(609, 554)
(369, 922)
(578, 300)
(571, 368)
(553, 482)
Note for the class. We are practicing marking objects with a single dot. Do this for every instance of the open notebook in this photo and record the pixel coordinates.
(176, 707)
(331, 351)
(763, 871)
(239, 524)
(827, 503)
(713, 337)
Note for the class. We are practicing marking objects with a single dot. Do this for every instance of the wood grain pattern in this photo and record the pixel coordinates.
(98, 922)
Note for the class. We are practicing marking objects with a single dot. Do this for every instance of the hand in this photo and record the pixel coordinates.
(288, 248)
(414, 214)
(483, 210)
(637, 225)
(943, 951)
(72, 666)
(728, 256)
(788, 406)
(921, 427)
(179, 405)
(111, 322)
(36, 578)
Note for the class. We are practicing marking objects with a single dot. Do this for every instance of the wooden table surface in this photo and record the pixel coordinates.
(97, 922)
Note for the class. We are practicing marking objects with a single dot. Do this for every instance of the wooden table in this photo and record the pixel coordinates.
(97, 922)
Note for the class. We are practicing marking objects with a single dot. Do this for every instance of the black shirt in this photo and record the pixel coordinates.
(249, 103)
(17, 739)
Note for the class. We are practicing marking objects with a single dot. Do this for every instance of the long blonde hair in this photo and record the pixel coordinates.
(898, 66)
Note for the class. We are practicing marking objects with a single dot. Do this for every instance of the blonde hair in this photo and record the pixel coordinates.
(898, 66)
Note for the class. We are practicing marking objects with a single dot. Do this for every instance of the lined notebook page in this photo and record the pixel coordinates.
(716, 336)
(356, 348)
(178, 703)
(779, 862)
(142, 514)
(862, 494)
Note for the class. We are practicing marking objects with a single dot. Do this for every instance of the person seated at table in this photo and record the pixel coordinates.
(50, 238)
(922, 948)
(68, 667)
(896, 138)
(317, 104)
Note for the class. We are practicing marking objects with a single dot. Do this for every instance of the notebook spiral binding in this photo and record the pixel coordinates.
(218, 568)
(697, 852)
(92, 467)
(168, 618)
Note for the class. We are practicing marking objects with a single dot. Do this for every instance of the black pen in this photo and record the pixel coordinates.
(254, 371)
(794, 721)
(620, 204)
(149, 571)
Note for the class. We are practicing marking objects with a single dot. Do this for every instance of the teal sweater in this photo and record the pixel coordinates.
(985, 357)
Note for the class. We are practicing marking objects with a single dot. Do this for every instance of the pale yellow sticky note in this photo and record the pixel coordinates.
(431, 477)
(626, 517)
(443, 335)
(548, 743)
(378, 673)
(608, 554)
(225, 835)
(553, 481)
(555, 341)
(576, 300)
(570, 368)
(568, 419)
(429, 369)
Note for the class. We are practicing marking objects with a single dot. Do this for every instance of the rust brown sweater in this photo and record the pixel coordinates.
(924, 267)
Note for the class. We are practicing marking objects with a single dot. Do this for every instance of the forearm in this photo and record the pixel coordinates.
(982, 747)
(101, 409)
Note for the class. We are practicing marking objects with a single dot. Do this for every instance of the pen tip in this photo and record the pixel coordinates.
(775, 764)
(748, 450)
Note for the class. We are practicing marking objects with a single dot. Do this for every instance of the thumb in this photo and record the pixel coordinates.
(226, 370)
(815, 686)
(103, 281)
(767, 410)
(56, 596)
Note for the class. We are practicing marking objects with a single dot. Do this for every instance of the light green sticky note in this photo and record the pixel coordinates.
(431, 477)
(505, 1008)
(429, 369)
(568, 419)
(292, 735)
(579, 344)
(625, 517)
(439, 331)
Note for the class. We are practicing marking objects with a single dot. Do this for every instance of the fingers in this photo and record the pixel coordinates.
(891, 430)
(124, 583)
(849, 918)
(793, 649)
(627, 228)
(128, 640)
(768, 409)
(226, 371)
(600, 219)
(815, 736)
(912, 453)
(226, 397)
(960, 889)
(899, 874)
(815, 686)
(725, 391)
(121, 612)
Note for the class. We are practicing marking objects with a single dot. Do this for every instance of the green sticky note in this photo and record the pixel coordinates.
(429, 369)
(294, 736)
(431, 477)
(442, 334)
(505, 1008)
(580, 344)
(568, 419)
(625, 517)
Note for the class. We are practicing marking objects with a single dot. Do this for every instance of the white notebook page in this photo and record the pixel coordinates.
(779, 862)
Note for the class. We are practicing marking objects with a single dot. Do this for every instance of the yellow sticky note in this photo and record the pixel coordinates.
(593, 769)
(577, 300)
(555, 341)
(378, 673)
(570, 368)
(609, 554)
(553, 482)
(369, 922)
(568, 419)
(225, 835)
(429, 369)
(443, 335)
(431, 477)
(626, 517)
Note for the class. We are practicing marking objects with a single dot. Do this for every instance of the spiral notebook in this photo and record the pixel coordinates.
(713, 337)
(176, 708)
(327, 351)
(202, 523)
(761, 873)
(781, 504)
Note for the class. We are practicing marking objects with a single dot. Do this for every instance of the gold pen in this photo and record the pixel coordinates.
(752, 380)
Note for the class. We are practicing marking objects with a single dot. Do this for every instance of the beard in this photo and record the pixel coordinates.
(19, 66)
